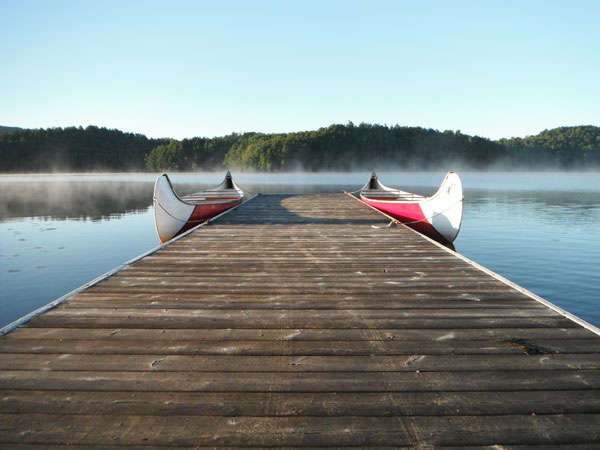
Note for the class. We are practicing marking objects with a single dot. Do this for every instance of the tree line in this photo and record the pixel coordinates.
(74, 149)
(337, 147)
(564, 147)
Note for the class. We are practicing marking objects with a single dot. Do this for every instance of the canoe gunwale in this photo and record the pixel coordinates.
(186, 199)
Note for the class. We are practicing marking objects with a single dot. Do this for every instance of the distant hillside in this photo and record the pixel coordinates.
(366, 147)
(74, 149)
(565, 147)
(5, 130)
(335, 148)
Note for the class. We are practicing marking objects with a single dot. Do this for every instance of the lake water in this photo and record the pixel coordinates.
(57, 232)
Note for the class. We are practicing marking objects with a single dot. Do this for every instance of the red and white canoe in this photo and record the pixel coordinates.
(174, 215)
(438, 216)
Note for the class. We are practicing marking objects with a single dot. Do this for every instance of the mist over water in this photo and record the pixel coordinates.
(73, 200)
(58, 232)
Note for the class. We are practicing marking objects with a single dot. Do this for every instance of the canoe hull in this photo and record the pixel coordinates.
(202, 213)
(174, 215)
(438, 217)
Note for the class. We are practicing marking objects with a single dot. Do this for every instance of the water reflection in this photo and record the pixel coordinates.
(543, 207)
(78, 200)
(565, 198)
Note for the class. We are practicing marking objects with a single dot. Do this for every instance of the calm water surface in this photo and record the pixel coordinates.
(57, 232)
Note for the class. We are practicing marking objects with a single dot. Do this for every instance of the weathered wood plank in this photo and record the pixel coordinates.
(399, 295)
(413, 279)
(276, 404)
(307, 348)
(579, 446)
(230, 269)
(261, 302)
(433, 261)
(292, 322)
(305, 431)
(151, 381)
(273, 314)
(136, 359)
(340, 334)
(317, 287)
(312, 290)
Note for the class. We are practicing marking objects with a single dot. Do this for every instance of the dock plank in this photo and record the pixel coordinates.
(314, 404)
(304, 334)
(271, 381)
(300, 321)
(301, 431)
(308, 348)
(180, 361)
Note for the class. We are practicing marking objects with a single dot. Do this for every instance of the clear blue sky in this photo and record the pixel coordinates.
(208, 68)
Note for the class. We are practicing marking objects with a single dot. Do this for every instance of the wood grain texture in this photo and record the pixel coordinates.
(300, 321)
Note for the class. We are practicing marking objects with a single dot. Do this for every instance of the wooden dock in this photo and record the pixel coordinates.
(300, 321)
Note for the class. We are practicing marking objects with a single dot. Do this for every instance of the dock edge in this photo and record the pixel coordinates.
(53, 304)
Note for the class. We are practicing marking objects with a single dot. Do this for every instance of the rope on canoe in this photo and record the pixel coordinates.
(393, 222)
(353, 192)
(176, 218)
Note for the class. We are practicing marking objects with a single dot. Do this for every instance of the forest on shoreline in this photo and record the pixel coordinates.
(334, 148)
